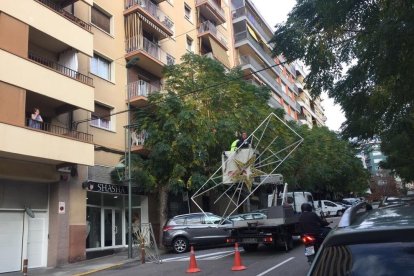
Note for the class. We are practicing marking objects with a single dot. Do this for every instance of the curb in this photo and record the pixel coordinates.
(100, 269)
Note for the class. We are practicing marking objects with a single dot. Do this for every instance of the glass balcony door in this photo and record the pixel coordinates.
(112, 227)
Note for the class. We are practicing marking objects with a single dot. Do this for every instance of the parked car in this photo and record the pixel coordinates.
(351, 201)
(330, 208)
(195, 229)
(248, 216)
(369, 242)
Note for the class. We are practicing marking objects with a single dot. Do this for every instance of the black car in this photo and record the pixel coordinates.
(369, 242)
(195, 229)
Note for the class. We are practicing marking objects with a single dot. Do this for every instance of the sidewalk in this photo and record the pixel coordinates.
(84, 267)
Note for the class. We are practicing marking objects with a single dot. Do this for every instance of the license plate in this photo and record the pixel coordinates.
(310, 250)
(249, 240)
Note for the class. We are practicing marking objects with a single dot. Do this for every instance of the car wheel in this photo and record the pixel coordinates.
(339, 213)
(250, 247)
(180, 245)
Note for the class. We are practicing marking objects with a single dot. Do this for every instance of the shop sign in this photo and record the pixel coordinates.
(106, 188)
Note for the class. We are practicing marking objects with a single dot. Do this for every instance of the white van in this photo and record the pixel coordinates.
(330, 208)
(296, 199)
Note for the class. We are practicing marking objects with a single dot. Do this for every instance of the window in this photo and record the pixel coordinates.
(101, 19)
(193, 220)
(101, 117)
(187, 11)
(101, 67)
(189, 44)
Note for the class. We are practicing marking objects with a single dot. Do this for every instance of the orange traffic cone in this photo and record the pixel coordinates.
(237, 260)
(193, 263)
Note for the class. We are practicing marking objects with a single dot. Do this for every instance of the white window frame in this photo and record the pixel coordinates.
(189, 47)
(100, 60)
(187, 16)
(104, 123)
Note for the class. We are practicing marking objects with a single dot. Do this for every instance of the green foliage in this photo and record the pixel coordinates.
(325, 164)
(375, 41)
(194, 121)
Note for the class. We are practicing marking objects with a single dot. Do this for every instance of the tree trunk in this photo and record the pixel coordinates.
(163, 193)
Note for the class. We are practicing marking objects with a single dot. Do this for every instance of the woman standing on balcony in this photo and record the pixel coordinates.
(36, 120)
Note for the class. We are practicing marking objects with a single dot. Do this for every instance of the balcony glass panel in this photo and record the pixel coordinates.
(213, 4)
(252, 19)
(152, 9)
(208, 26)
(136, 43)
(141, 88)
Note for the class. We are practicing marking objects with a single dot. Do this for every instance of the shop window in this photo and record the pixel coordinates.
(101, 19)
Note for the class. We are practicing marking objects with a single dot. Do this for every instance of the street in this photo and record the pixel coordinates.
(266, 261)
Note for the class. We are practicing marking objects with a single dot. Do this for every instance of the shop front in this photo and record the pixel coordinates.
(107, 215)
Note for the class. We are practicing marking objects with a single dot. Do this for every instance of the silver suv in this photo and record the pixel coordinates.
(195, 229)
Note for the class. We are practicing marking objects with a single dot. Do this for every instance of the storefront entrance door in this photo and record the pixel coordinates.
(112, 227)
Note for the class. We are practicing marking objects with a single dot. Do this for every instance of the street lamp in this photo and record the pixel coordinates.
(128, 65)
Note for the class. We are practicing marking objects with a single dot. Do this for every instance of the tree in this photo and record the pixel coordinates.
(325, 165)
(374, 40)
(192, 123)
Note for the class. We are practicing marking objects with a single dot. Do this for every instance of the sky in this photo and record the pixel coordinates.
(276, 11)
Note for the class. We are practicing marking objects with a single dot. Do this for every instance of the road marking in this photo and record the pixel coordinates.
(209, 256)
(276, 266)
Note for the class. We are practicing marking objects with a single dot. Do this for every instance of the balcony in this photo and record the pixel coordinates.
(247, 61)
(208, 29)
(61, 69)
(211, 10)
(58, 9)
(49, 19)
(49, 144)
(151, 16)
(139, 91)
(261, 28)
(48, 79)
(151, 57)
(138, 141)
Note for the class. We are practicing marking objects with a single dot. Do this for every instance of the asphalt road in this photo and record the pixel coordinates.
(219, 261)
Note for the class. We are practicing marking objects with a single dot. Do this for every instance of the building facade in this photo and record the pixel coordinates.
(84, 64)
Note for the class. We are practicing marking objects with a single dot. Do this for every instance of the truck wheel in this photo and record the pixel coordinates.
(288, 243)
(250, 247)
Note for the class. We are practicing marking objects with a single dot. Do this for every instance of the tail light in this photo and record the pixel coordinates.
(268, 239)
(306, 239)
(229, 240)
(167, 228)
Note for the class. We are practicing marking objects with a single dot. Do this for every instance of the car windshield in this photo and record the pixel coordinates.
(366, 259)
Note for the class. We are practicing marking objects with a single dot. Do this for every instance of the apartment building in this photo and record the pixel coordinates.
(84, 64)
(253, 53)
(311, 110)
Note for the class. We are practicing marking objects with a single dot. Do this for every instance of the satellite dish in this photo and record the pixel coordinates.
(29, 212)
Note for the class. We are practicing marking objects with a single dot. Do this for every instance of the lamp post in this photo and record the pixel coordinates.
(128, 65)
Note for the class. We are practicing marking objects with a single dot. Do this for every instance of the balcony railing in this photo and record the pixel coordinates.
(152, 9)
(207, 26)
(138, 137)
(271, 81)
(58, 130)
(252, 19)
(61, 69)
(141, 88)
(215, 6)
(65, 14)
(136, 43)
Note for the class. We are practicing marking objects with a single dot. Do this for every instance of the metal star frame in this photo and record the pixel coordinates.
(243, 171)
